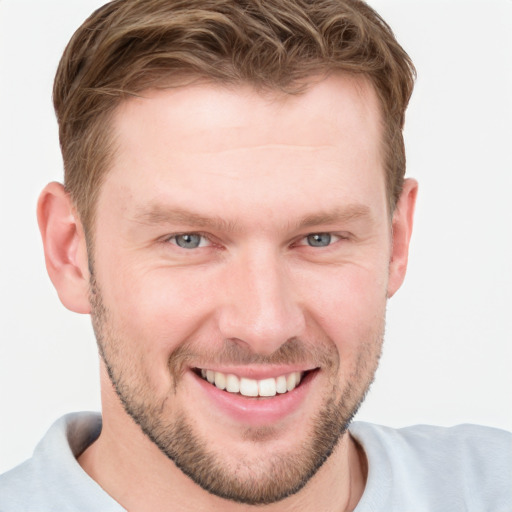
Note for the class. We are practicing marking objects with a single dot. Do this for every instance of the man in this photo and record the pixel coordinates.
(234, 218)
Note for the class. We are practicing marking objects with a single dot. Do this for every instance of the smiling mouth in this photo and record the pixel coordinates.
(252, 387)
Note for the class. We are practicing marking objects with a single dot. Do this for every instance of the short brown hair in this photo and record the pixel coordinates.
(128, 46)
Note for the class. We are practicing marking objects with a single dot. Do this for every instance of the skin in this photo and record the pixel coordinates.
(254, 174)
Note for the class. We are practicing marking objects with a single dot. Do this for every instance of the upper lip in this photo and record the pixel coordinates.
(258, 372)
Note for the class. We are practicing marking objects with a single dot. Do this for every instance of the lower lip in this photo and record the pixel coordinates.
(257, 411)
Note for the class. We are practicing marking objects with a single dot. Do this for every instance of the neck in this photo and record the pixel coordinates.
(131, 469)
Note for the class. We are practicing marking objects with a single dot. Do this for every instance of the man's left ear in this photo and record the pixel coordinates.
(401, 235)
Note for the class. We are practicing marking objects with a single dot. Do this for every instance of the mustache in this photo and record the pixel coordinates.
(321, 354)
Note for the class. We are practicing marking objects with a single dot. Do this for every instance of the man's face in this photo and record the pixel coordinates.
(244, 239)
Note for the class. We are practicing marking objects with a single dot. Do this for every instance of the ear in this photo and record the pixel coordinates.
(401, 235)
(65, 247)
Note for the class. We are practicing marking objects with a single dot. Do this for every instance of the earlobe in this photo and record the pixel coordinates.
(64, 247)
(401, 235)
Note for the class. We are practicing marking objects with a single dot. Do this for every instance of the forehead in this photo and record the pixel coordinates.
(249, 149)
(241, 111)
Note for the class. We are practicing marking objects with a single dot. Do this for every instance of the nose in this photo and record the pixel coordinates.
(260, 307)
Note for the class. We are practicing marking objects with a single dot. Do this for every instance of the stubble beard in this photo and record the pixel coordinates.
(256, 481)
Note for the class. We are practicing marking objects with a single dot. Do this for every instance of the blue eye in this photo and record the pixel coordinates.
(188, 240)
(319, 239)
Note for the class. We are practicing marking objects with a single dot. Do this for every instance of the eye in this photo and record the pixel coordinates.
(189, 240)
(319, 239)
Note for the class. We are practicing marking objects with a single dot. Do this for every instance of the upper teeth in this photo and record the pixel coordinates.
(252, 387)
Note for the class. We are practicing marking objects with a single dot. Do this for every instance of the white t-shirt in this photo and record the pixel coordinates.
(422, 468)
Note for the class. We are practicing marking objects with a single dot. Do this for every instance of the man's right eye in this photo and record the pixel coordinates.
(189, 240)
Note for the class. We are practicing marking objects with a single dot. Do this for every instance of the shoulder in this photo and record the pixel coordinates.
(52, 479)
(467, 467)
(465, 440)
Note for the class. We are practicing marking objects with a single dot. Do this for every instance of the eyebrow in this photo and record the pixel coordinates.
(158, 214)
(338, 215)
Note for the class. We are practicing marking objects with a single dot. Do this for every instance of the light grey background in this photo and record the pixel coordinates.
(448, 351)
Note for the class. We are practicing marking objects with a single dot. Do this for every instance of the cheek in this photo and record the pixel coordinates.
(151, 314)
(158, 308)
(350, 307)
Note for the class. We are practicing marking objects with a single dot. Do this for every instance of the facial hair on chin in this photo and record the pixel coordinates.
(258, 481)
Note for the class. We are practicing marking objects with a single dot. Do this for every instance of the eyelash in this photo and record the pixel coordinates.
(205, 237)
(172, 238)
(331, 236)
